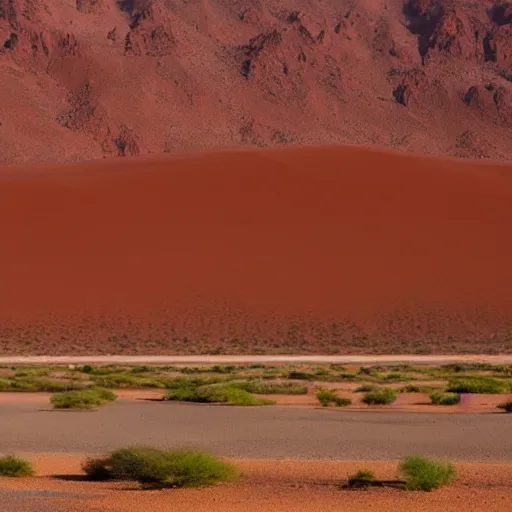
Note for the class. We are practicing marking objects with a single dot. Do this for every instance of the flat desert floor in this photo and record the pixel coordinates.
(266, 485)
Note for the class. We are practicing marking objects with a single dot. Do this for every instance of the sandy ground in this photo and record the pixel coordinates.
(412, 359)
(298, 250)
(266, 432)
(282, 486)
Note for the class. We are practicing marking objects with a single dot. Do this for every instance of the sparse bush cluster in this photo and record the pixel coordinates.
(328, 396)
(84, 399)
(476, 384)
(382, 396)
(12, 466)
(422, 474)
(160, 468)
(440, 398)
(415, 473)
(216, 393)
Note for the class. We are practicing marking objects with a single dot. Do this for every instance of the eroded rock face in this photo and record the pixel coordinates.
(150, 33)
(256, 72)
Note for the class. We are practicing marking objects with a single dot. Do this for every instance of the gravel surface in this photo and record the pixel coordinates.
(273, 432)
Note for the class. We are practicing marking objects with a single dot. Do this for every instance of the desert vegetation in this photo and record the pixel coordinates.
(84, 399)
(330, 384)
(12, 466)
(383, 396)
(415, 474)
(160, 468)
(328, 397)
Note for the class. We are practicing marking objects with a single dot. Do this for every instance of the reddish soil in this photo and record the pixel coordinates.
(270, 486)
(88, 78)
(291, 250)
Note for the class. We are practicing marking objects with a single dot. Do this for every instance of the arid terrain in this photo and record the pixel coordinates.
(293, 250)
(266, 485)
(83, 79)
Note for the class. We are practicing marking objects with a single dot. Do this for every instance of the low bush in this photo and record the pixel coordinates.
(15, 467)
(33, 384)
(422, 474)
(363, 478)
(366, 388)
(297, 375)
(476, 384)
(216, 393)
(84, 399)
(124, 380)
(271, 388)
(506, 406)
(440, 398)
(411, 388)
(152, 467)
(329, 396)
(383, 396)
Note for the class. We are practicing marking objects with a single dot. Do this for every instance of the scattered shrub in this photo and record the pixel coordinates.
(506, 406)
(84, 399)
(476, 384)
(153, 467)
(216, 393)
(363, 478)
(296, 375)
(15, 467)
(411, 388)
(365, 388)
(383, 396)
(341, 401)
(329, 396)
(422, 474)
(271, 388)
(439, 398)
(124, 380)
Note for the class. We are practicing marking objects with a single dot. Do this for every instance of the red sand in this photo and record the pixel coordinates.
(270, 486)
(281, 250)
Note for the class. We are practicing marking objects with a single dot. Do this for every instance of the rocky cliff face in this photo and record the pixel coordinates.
(90, 78)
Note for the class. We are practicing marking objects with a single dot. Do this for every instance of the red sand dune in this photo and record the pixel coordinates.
(299, 249)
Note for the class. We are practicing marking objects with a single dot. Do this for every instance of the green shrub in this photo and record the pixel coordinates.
(84, 399)
(125, 381)
(325, 396)
(329, 396)
(439, 398)
(33, 384)
(476, 384)
(271, 388)
(153, 467)
(411, 388)
(363, 478)
(15, 467)
(340, 401)
(383, 396)
(216, 393)
(297, 375)
(197, 469)
(506, 406)
(5, 384)
(422, 474)
(365, 388)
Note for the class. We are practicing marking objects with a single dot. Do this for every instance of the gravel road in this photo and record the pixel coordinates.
(266, 432)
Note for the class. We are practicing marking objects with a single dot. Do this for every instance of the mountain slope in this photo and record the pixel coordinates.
(83, 79)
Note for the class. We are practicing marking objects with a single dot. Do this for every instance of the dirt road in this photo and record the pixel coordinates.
(268, 432)
(247, 359)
